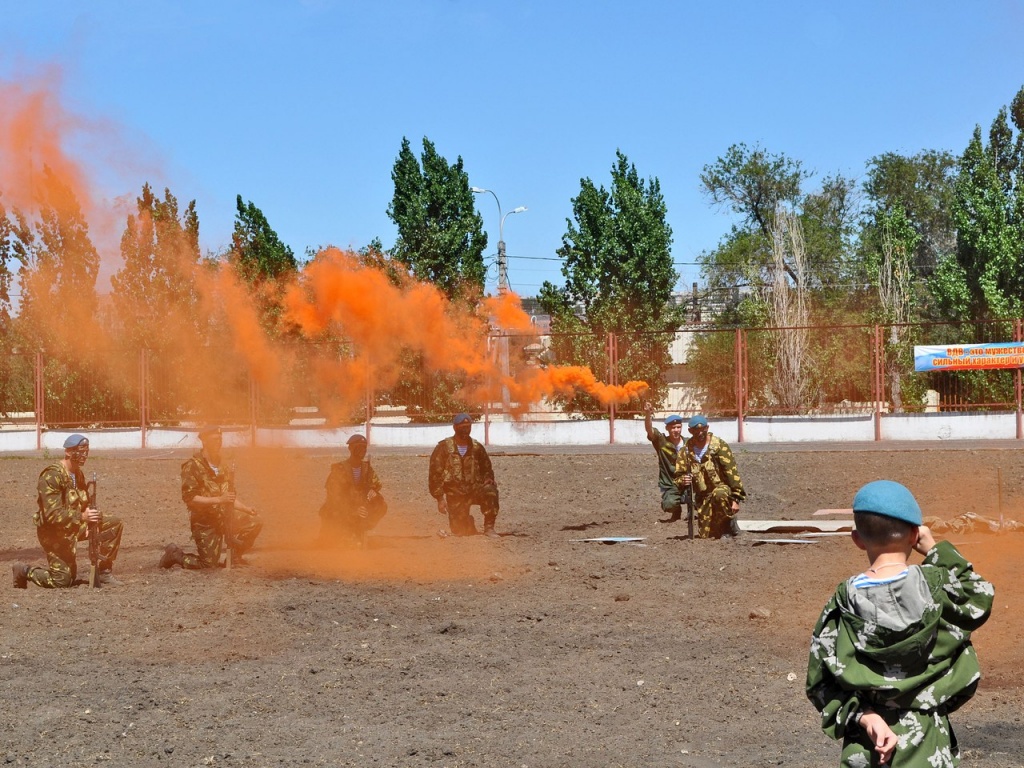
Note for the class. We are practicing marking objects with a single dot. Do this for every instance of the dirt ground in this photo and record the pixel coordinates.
(532, 650)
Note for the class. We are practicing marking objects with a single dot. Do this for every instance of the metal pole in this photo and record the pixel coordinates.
(502, 262)
(142, 397)
(487, 403)
(879, 383)
(741, 373)
(612, 381)
(40, 401)
(1017, 382)
(253, 409)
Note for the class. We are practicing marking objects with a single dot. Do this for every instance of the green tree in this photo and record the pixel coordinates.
(59, 280)
(16, 381)
(440, 233)
(787, 256)
(59, 312)
(893, 272)
(263, 261)
(256, 249)
(922, 185)
(14, 237)
(984, 278)
(154, 291)
(755, 186)
(618, 279)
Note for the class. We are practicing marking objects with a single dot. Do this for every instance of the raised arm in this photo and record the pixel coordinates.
(648, 419)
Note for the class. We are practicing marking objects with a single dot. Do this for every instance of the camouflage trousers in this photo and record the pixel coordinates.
(60, 545)
(335, 527)
(712, 514)
(208, 534)
(460, 520)
(673, 499)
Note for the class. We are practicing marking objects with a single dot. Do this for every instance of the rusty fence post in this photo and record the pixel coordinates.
(878, 379)
(254, 408)
(487, 389)
(613, 359)
(741, 381)
(40, 397)
(143, 401)
(1017, 382)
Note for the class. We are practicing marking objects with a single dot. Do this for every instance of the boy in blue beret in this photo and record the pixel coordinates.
(891, 655)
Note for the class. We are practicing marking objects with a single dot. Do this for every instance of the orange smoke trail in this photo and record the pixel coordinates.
(567, 379)
(383, 320)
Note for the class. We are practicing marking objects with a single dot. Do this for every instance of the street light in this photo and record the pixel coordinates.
(502, 288)
(502, 261)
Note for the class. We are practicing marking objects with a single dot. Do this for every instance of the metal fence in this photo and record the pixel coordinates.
(725, 373)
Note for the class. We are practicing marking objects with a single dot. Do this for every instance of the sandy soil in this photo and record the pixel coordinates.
(532, 650)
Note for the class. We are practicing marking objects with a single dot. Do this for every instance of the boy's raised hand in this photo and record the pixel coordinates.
(925, 540)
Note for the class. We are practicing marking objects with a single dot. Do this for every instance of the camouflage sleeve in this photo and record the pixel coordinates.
(729, 472)
(335, 486)
(191, 484)
(372, 480)
(837, 705)
(54, 508)
(968, 597)
(484, 462)
(435, 479)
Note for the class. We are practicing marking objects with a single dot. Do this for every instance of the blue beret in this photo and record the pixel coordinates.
(76, 440)
(210, 429)
(888, 499)
(460, 418)
(355, 439)
(674, 419)
(697, 421)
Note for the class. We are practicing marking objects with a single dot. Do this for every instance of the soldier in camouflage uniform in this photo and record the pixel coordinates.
(891, 655)
(460, 476)
(208, 490)
(62, 518)
(354, 504)
(714, 481)
(671, 462)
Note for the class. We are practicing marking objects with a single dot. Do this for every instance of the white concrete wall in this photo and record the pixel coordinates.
(778, 429)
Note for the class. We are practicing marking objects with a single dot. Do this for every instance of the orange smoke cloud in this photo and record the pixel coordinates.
(384, 320)
(33, 128)
(205, 329)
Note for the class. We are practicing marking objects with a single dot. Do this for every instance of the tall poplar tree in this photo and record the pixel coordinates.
(984, 278)
(440, 233)
(619, 278)
(154, 291)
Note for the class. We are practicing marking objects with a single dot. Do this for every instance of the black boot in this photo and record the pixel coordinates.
(172, 556)
(20, 573)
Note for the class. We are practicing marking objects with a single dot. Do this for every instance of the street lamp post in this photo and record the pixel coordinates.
(502, 260)
(502, 289)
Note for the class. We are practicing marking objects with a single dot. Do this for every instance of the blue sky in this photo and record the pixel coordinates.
(301, 105)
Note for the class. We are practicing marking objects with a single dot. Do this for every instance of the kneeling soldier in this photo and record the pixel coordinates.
(460, 476)
(354, 504)
(215, 513)
(62, 520)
